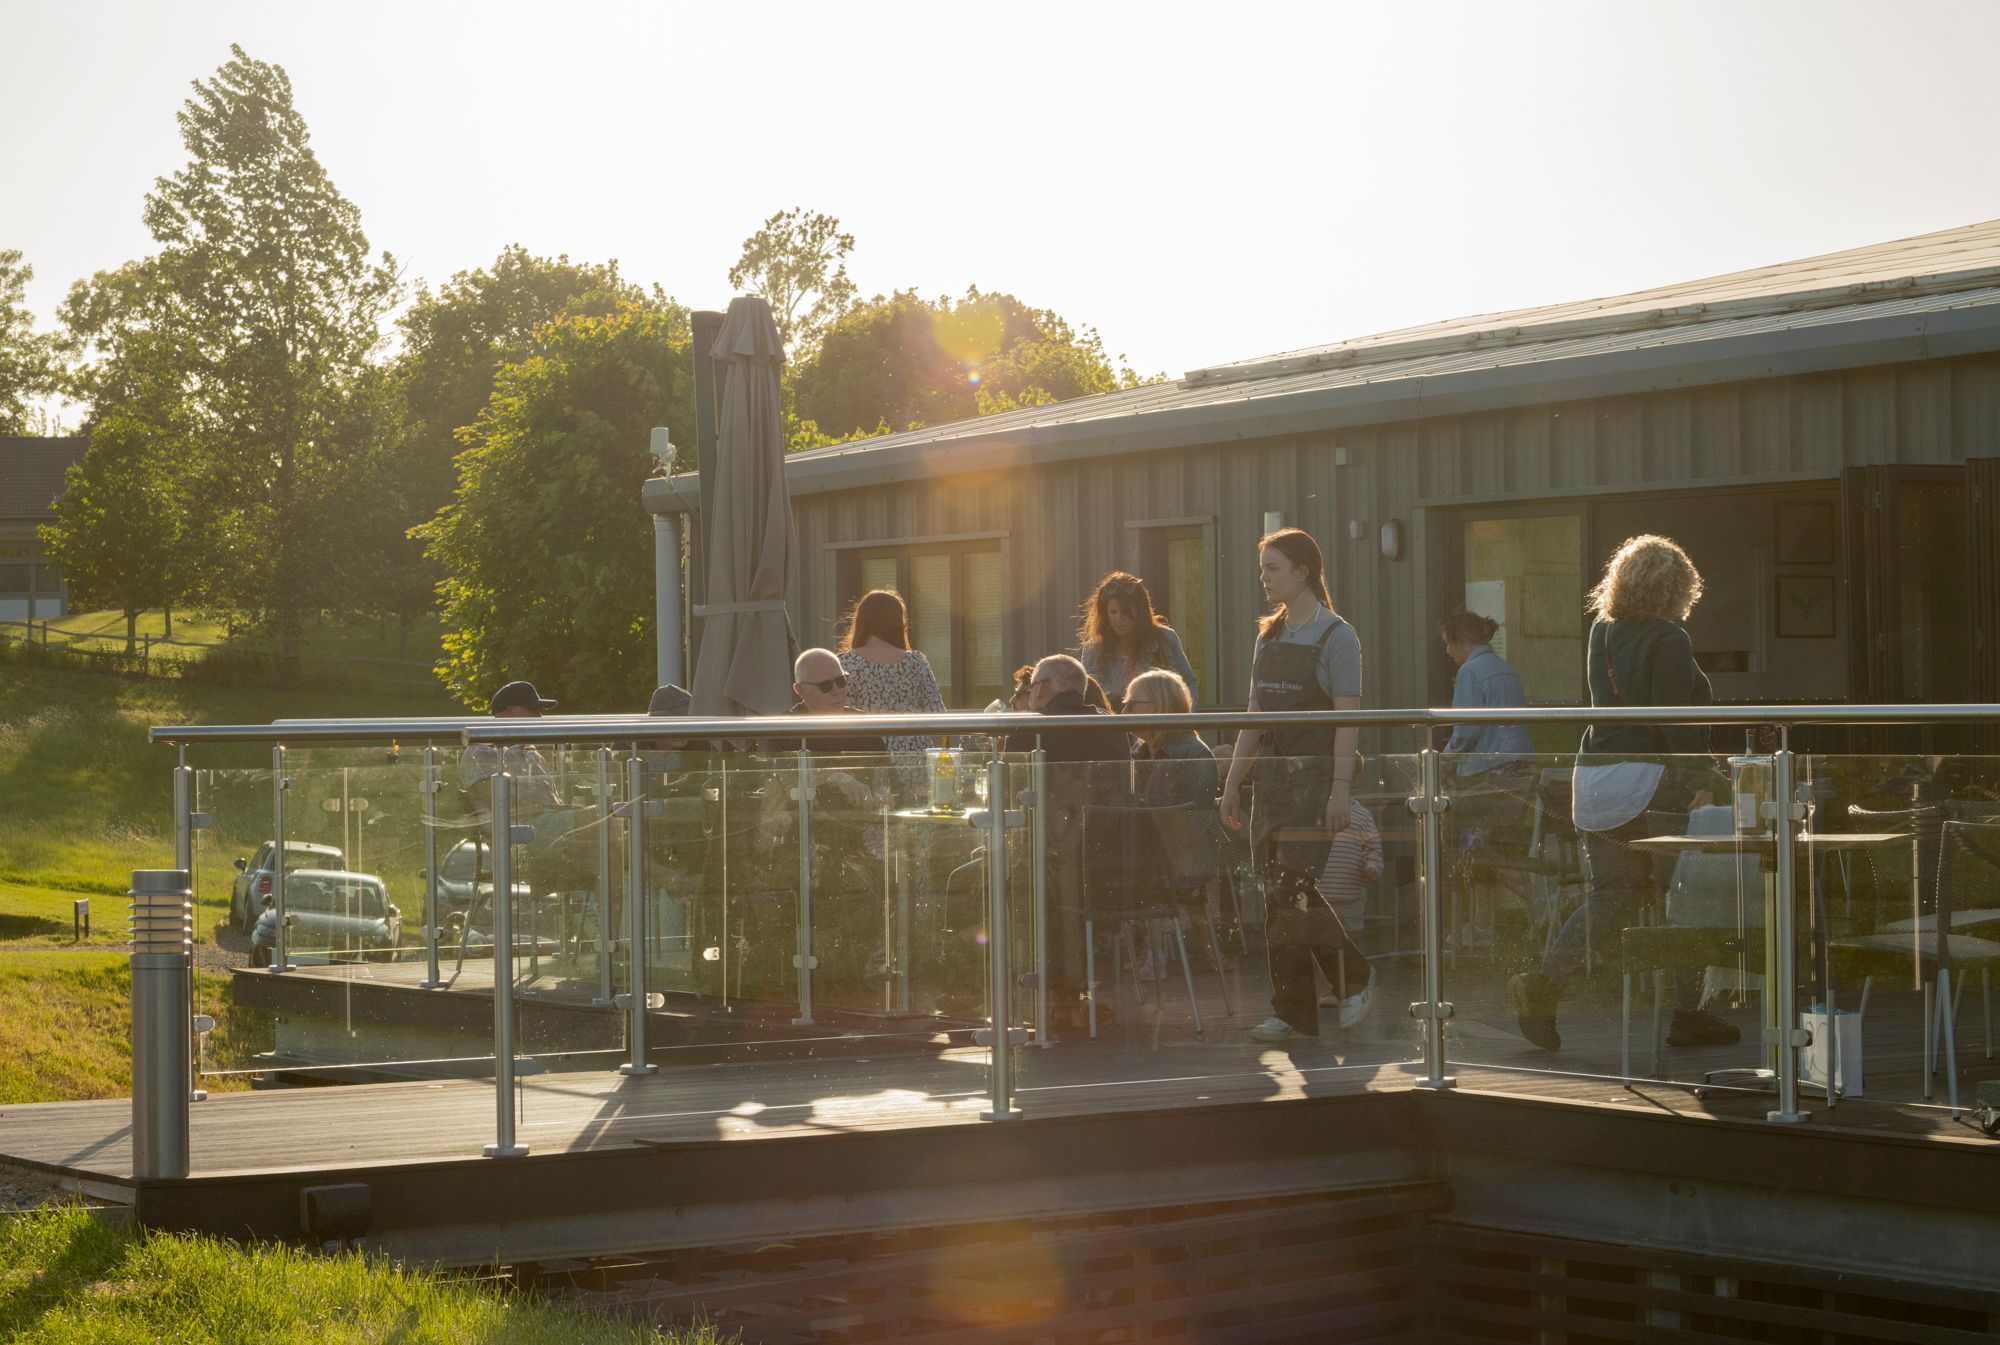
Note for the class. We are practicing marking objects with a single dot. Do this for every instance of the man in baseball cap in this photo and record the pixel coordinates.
(517, 700)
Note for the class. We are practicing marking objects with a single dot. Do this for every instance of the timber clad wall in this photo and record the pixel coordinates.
(1064, 524)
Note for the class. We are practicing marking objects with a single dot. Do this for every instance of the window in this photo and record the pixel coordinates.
(1526, 572)
(957, 610)
(1174, 562)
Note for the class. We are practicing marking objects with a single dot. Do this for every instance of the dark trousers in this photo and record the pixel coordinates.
(1623, 882)
(1301, 930)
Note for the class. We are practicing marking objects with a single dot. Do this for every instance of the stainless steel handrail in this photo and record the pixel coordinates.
(593, 729)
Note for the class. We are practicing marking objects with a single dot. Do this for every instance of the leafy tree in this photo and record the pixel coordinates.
(277, 308)
(28, 363)
(119, 529)
(122, 532)
(903, 361)
(798, 262)
(546, 549)
(455, 340)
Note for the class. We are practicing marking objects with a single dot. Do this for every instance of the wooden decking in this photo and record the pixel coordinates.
(837, 1080)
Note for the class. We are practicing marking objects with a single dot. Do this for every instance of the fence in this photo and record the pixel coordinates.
(946, 931)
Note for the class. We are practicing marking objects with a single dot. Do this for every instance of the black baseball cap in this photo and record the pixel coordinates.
(518, 694)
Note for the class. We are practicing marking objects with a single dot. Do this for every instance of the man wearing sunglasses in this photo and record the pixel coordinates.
(821, 686)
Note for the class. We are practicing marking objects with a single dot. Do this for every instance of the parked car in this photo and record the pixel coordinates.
(253, 876)
(331, 913)
(466, 872)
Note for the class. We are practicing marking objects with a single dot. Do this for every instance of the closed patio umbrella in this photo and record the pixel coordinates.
(745, 666)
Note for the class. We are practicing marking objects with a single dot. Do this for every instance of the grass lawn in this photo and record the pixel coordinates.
(66, 1027)
(68, 1279)
(84, 800)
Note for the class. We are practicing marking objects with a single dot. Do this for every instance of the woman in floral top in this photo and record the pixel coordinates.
(886, 676)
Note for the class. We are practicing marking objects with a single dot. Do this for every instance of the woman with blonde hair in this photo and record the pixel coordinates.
(1639, 655)
(1121, 636)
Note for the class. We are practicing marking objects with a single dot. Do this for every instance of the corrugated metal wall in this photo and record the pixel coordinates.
(1065, 522)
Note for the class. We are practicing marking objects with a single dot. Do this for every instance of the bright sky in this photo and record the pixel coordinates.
(1202, 183)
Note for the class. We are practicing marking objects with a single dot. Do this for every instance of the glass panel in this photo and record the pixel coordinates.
(886, 1036)
(984, 611)
(575, 856)
(227, 901)
(1527, 574)
(1175, 946)
(1595, 925)
(355, 1007)
(1187, 601)
(1901, 903)
(930, 618)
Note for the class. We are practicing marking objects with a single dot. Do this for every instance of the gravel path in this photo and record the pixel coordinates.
(26, 1189)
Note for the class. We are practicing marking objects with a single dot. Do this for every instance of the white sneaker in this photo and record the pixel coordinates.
(1357, 1007)
(1275, 1029)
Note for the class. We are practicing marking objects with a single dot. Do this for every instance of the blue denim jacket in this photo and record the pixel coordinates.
(1486, 681)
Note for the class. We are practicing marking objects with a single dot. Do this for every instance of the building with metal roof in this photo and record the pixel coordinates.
(1820, 433)
(31, 477)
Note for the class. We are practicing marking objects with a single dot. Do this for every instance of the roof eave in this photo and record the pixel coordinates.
(1892, 339)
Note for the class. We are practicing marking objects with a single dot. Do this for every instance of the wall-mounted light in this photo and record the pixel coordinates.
(1356, 530)
(1274, 519)
(1392, 540)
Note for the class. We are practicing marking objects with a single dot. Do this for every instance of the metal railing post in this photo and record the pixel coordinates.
(162, 954)
(1786, 1037)
(803, 958)
(998, 968)
(504, 1145)
(635, 913)
(1038, 776)
(280, 956)
(184, 819)
(185, 824)
(605, 934)
(433, 979)
(1432, 1011)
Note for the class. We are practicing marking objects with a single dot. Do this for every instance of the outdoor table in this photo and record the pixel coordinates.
(910, 819)
(977, 818)
(1818, 845)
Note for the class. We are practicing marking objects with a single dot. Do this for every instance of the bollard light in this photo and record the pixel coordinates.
(162, 945)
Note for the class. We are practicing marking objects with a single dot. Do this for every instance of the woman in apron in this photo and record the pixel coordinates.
(1307, 658)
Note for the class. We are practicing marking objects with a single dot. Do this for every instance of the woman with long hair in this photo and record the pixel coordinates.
(1121, 636)
(1307, 657)
(886, 677)
(1639, 654)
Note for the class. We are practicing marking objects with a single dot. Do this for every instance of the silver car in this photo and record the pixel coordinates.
(330, 915)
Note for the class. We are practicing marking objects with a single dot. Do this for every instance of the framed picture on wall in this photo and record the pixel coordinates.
(1805, 534)
(1806, 605)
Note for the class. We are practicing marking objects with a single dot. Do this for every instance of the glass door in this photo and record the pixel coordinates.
(1524, 568)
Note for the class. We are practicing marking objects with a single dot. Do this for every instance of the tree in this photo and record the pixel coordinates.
(122, 532)
(118, 533)
(455, 341)
(278, 309)
(546, 548)
(903, 361)
(29, 368)
(797, 262)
